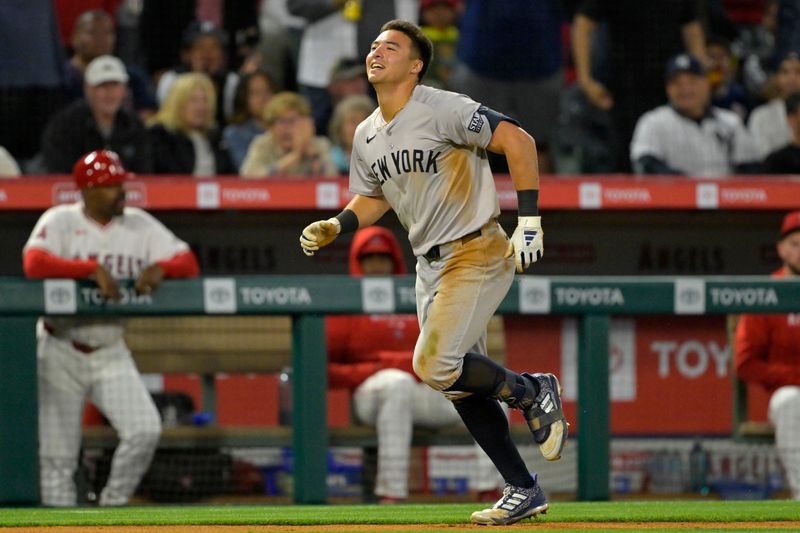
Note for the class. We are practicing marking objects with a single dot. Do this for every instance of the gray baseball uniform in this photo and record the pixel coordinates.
(430, 164)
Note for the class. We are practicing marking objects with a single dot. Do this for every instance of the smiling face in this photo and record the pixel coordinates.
(392, 59)
(690, 93)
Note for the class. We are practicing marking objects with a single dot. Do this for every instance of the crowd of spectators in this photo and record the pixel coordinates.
(265, 88)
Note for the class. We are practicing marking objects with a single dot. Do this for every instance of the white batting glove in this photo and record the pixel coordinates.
(318, 234)
(527, 242)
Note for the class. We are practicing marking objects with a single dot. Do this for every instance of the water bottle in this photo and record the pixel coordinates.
(285, 396)
(675, 473)
(698, 469)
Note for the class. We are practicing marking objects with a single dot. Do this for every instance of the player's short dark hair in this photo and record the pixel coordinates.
(420, 43)
(793, 103)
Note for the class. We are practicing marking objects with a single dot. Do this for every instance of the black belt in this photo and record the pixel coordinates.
(435, 252)
(83, 348)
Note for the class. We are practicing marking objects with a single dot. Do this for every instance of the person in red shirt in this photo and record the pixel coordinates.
(371, 356)
(768, 353)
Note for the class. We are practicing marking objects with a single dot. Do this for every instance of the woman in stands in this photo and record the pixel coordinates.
(183, 133)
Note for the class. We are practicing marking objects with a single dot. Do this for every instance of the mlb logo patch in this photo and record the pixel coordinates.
(476, 122)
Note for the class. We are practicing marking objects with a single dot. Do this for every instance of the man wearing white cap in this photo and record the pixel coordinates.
(96, 122)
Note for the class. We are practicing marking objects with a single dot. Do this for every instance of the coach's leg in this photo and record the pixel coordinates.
(385, 401)
(60, 414)
(61, 400)
(784, 413)
(127, 404)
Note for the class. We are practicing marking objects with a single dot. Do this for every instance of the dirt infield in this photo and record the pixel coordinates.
(524, 526)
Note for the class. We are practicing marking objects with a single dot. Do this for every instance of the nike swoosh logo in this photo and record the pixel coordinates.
(369, 139)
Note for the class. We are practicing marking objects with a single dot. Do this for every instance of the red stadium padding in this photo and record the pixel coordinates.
(621, 192)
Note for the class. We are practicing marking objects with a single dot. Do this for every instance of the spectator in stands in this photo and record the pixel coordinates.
(278, 46)
(787, 32)
(289, 147)
(767, 354)
(641, 36)
(371, 356)
(511, 59)
(726, 91)
(347, 115)
(31, 75)
(160, 27)
(787, 159)
(98, 121)
(756, 46)
(439, 18)
(768, 124)
(689, 136)
(203, 51)
(183, 133)
(335, 30)
(161, 22)
(254, 92)
(279, 64)
(347, 79)
(94, 36)
(8, 166)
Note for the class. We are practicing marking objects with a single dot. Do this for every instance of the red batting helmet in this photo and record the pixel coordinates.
(97, 169)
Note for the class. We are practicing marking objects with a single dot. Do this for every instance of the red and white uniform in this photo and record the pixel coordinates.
(372, 356)
(768, 353)
(86, 357)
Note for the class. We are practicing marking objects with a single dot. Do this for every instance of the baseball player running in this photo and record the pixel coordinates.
(423, 154)
(86, 357)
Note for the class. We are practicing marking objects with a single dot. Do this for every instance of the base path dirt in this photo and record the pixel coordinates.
(361, 528)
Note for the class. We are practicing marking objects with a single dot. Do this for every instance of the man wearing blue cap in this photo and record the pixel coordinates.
(688, 135)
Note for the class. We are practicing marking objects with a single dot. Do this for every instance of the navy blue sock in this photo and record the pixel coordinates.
(488, 425)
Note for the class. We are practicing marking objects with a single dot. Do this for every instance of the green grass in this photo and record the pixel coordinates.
(638, 511)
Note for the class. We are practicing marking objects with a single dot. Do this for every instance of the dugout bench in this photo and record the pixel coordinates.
(251, 344)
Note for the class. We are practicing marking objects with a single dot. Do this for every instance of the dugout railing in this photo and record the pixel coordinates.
(308, 298)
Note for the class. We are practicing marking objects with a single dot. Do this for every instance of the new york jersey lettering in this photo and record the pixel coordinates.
(404, 162)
